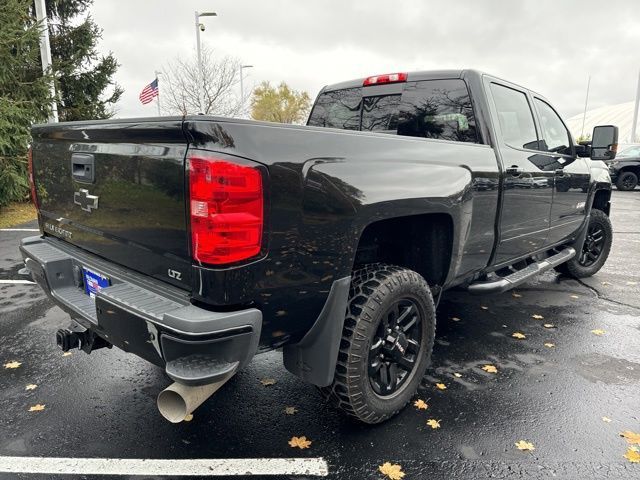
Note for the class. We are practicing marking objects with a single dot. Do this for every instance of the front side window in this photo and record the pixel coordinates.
(437, 109)
(555, 136)
(630, 152)
(515, 117)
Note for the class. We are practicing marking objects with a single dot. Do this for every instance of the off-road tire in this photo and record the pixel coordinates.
(573, 268)
(374, 289)
(627, 181)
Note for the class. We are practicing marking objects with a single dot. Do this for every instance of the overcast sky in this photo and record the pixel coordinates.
(550, 46)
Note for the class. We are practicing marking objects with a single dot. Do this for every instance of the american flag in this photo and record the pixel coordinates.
(149, 92)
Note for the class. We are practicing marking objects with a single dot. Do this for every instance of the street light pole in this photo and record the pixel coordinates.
(45, 55)
(242, 67)
(200, 27)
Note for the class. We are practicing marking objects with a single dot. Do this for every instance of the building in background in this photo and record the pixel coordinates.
(620, 115)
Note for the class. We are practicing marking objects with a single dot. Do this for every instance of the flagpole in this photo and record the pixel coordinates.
(158, 96)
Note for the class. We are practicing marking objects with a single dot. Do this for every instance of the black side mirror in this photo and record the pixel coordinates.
(604, 142)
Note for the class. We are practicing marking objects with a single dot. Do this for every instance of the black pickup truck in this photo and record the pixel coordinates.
(197, 242)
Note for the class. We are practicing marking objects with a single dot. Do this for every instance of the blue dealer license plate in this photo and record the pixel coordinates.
(93, 282)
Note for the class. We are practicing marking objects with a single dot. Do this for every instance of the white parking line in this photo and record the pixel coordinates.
(17, 282)
(173, 468)
(19, 230)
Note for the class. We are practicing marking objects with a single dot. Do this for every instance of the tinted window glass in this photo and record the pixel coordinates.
(555, 136)
(630, 152)
(515, 117)
(380, 113)
(338, 109)
(437, 109)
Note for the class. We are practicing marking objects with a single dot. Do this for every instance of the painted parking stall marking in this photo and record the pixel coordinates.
(19, 230)
(316, 467)
(17, 282)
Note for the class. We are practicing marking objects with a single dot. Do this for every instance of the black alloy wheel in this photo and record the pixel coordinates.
(395, 347)
(593, 245)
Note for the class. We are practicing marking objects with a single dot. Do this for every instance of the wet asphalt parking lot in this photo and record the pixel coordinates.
(103, 405)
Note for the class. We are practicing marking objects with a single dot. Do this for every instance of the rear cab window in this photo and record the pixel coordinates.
(439, 109)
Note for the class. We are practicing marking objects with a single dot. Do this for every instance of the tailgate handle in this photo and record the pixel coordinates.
(83, 167)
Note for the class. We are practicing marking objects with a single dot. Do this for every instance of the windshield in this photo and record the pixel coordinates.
(630, 152)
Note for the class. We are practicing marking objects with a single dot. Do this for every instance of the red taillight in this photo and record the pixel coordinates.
(227, 210)
(386, 78)
(32, 183)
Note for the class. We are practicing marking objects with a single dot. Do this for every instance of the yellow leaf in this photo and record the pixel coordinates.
(67, 354)
(484, 307)
(490, 369)
(457, 375)
(393, 472)
(267, 382)
(549, 325)
(36, 408)
(188, 418)
(632, 455)
(598, 332)
(631, 437)
(549, 345)
(13, 364)
(606, 419)
(574, 296)
(632, 283)
(535, 316)
(300, 442)
(605, 283)
(522, 445)
(290, 410)
(433, 423)
(420, 404)
(455, 319)
(516, 295)
(518, 335)
(441, 386)
(31, 386)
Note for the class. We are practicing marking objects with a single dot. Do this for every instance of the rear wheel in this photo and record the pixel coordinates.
(386, 343)
(627, 181)
(595, 250)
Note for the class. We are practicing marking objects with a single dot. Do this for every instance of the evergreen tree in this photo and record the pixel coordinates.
(84, 84)
(24, 95)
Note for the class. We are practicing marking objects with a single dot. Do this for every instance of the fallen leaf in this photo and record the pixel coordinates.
(31, 386)
(290, 410)
(549, 325)
(574, 296)
(632, 283)
(484, 307)
(490, 369)
(455, 319)
(267, 382)
(518, 335)
(605, 283)
(420, 404)
(606, 419)
(433, 423)
(300, 442)
(516, 295)
(36, 408)
(441, 386)
(631, 437)
(632, 455)
(549, 345)
(504, 326)
(598, 332)
(457, 375)
(522, 445)
(394, 472)
(535, 316)
(13, 364)
(67, 354)
(188, 418)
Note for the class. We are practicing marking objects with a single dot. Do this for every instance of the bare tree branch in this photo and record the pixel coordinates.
(221, 86)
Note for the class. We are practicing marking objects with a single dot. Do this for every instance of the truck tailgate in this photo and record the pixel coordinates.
(117, 189)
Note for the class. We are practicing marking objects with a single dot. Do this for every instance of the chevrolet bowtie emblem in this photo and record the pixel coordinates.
(87, 202)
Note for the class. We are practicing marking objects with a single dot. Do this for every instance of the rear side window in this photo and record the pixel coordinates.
(515, 117)
(338, 109)
(437, 109)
